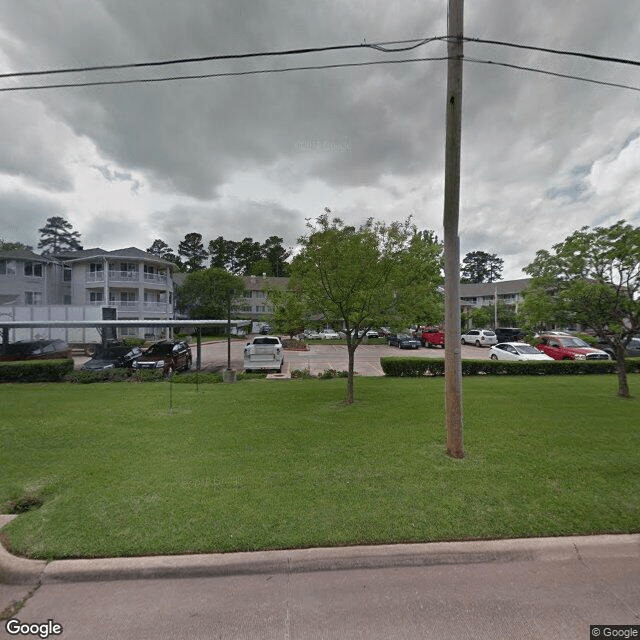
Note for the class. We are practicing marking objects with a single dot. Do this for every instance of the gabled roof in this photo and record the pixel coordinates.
(22, 254)
(129, 252)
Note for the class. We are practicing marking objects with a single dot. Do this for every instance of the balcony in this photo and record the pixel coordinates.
(124, 276)
(155, 278)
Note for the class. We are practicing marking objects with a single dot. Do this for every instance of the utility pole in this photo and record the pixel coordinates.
(452, 356)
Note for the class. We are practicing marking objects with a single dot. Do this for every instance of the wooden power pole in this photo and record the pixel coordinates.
(452, 356)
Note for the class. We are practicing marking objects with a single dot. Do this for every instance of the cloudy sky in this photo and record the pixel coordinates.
(256, 155)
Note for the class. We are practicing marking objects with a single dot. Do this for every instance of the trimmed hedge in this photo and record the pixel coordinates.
(417, 367)
(35, 370)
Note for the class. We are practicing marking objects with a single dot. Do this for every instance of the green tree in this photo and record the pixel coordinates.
(592, 278)
(362, 277)
(57, 235)
(205, 294)
(273, 251)
(480, 266)
(161, 249)
(289, 312)
(192, 252)
(14, 246)
(221, 252)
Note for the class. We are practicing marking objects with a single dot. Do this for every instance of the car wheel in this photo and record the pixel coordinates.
(463, 341)
(494, 356)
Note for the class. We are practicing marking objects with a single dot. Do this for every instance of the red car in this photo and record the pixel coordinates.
(432, 337)
(567, 347)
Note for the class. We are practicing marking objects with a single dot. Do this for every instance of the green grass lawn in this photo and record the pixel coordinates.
(268, 464)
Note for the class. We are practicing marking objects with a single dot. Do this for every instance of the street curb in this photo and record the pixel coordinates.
(14, 570)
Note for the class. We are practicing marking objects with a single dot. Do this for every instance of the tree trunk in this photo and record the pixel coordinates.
(621, 368)
(351, 350)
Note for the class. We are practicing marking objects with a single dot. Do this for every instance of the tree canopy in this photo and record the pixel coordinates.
(206, 293)
(480, 266)
(373, 275)
(192, 252)
(592, 278)
(57, 235)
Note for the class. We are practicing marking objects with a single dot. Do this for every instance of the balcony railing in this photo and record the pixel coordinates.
(123, 276)
(155, 277)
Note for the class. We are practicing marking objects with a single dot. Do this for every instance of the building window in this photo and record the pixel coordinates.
(7, 267)
(67, 299)
(96, 267)
(66, 274)
(33, 297)
(259, 294)
(33, 269)
(96, 296)
(261, 308)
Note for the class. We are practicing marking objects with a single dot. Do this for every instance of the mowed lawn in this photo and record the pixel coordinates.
(159, 468)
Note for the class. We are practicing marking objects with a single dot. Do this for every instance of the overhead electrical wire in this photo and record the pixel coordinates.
(381, 46)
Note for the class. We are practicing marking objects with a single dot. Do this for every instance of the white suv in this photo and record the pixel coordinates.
(479, 337)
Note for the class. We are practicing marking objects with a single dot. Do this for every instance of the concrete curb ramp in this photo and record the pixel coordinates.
(14, 570)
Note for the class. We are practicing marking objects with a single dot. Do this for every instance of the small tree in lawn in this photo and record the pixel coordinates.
(57, 235)
(592, 278)
(289, 312)
(363, 277)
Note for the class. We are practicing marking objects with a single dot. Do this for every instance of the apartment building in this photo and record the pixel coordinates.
(137, 284)
(484, 294)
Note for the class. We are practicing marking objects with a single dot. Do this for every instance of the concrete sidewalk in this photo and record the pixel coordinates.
(21, 571)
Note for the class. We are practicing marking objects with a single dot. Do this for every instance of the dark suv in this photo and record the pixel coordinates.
(168, 355)
(112, 356)
(510, 334)
(35, 350)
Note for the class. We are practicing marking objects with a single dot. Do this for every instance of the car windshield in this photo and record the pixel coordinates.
(159, 349)
(572, 342)
(525, 348)
(112, 352)
(489, 333)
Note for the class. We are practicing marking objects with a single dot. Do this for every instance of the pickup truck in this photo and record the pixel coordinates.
(432, 337)
(263, 352)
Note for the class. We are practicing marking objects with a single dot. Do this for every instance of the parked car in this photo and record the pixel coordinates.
(168, 355)
(402, 341)
(432, 337)
(516, 351)
(564, 346)
(263, 352)
(479, 337)
(632, 350)
(309, 334)
(35, 350)
(509, 334)
(372, 333)
(112, 356)
(329, 334)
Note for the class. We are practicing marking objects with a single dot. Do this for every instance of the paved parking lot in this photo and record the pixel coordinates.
(319, 357)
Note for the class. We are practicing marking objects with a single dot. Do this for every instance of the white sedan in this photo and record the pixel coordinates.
(329, 334)
(516, 351)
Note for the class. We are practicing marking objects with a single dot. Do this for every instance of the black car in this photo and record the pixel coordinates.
(510, 334)
(113, 356)
(168, 355)
(403, 341)
(35, 350)
(632, 350)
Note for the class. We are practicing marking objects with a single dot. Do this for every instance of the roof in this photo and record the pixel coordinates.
(23, 254)
(469, 290)
(254, 283)
(129, 252)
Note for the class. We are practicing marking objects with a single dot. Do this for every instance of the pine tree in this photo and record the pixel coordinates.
(57, 235)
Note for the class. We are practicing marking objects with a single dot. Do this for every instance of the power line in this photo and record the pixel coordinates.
(311, 68)
(380, 46)
(553, 73)
(564, 52)
(226, 74)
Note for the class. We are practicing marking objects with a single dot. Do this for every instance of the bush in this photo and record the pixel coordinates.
(301, 374)
(416, 367)
(107, 375)
(329, 374)
(35, 370)
(294, 344)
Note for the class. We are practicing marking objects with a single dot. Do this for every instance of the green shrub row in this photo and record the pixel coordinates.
(416, 367)
(35, 370)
